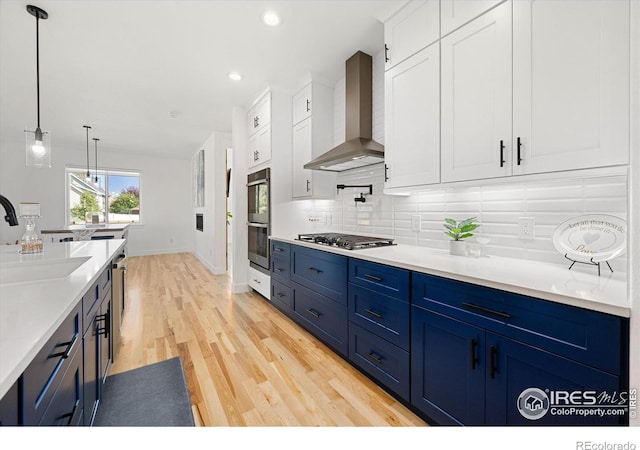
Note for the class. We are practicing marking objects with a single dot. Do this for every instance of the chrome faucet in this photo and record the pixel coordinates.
(9, 210)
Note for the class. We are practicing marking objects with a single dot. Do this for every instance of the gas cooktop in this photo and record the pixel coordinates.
(346, 241)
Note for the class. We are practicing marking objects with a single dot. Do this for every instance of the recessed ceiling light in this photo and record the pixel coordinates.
(235, 76)
(270, 18)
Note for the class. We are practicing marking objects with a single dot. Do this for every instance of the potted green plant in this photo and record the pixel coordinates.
(458, 231)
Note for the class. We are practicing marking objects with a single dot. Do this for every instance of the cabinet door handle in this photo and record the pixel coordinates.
(519, 146)
(487, 310)
(308, 105)
(373, 313)
(67, 351)
(373, 357)
(308, 185)
(386, 53)
(257, 155)
(104, 331)
(502, 153)
(314, 270)
(386, 173)
(492, 363)
(256, 122)
(372, 278)
(474, 359)
(314, 313)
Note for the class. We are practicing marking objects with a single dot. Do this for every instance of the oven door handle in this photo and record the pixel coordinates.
(253, 183)
(257, 225)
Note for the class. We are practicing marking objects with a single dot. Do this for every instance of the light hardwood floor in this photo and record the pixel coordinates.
(246, 363)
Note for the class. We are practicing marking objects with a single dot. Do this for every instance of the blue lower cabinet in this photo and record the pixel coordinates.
(385, 362)
(323, 317)
(9, 414)
(447, 368)
(529, 386)
(322, 272)
(281, 296)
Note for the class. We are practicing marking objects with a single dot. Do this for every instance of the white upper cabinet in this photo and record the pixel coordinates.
(411, 29)
(412, 125)
(312, 134)
(260, 114)
(570, 84)
(259, 126)
(302, 104)
(455, 13)
(302, 154)
(476, 98)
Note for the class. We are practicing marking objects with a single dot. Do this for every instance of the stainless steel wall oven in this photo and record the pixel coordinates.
(259, 216)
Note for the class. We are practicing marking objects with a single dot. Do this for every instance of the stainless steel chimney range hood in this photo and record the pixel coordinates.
(359, 149)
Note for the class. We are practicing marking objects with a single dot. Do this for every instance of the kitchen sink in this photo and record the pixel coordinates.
(34, 271)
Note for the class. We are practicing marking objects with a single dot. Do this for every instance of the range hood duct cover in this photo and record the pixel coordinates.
(359, 149)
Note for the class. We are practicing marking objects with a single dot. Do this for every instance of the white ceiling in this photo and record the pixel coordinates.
(123, 66)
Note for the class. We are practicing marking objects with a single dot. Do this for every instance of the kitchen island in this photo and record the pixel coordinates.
(37, 301)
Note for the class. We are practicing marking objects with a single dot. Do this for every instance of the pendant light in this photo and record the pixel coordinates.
(38, 142)
(88, 176)
(95, 179)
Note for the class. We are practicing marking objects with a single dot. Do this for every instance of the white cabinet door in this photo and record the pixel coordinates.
(455, 13)
(302, 154)
(302, 104)
(260, 147)
(476, 98)
(570, 84)
(411, 29)
(260, 114)
(412, 126)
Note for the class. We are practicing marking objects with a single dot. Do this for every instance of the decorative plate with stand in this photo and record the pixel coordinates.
(591, 239)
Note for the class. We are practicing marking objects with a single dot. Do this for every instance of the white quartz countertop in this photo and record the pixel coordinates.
(30, 312)
(71, 228)
(580, 286)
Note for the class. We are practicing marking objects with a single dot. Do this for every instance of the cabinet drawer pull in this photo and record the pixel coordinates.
(278, 270)
(314, 313)
(474, 359)
(257, 281)
(372, 278)
(487, 310)
(314, 270)
(103, 330)
(373, 357)
(519, 145)
(72, 414)
(280, 295)
(502, 153)
(373, 313)
(65, 354)
(492, 363)
(278, 249)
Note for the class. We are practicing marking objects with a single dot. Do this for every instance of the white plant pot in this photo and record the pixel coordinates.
(457, 248)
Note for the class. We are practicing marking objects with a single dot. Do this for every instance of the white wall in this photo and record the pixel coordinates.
(210, 244)
(164, 186)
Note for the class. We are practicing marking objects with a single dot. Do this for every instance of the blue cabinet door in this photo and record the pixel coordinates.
(322, 272)
(447, 368)
(513, 368)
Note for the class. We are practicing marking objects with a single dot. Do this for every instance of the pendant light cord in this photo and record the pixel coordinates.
(38, 66)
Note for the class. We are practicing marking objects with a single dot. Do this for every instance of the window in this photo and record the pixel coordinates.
(115, 198)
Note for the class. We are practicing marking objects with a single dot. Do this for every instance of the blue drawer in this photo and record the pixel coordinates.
(322, 272)
(380, 314)
(281, 261)
(383, 361)
(324, 318)
(579, 334)
(281, 295)
(387, 280)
